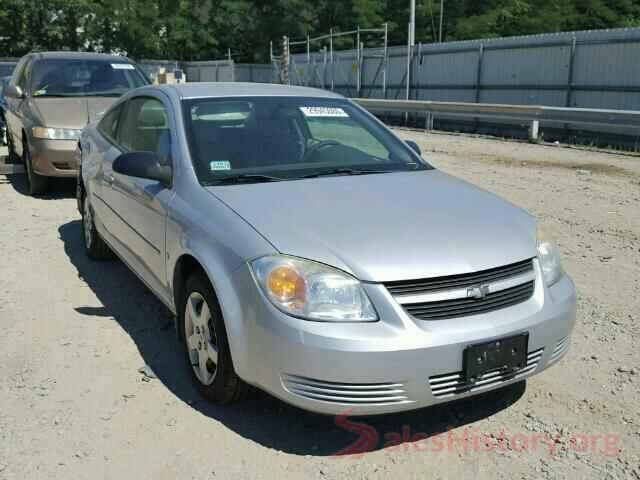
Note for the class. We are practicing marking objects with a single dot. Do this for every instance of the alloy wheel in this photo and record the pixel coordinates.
(200, 337)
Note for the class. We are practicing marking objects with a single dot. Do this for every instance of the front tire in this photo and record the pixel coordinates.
(37, 183)
(206, 343)
(94, 246)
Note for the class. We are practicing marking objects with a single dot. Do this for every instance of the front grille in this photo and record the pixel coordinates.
(468, 294)
(452, 384)
(346, 393)
(430, 285)
(461, 307)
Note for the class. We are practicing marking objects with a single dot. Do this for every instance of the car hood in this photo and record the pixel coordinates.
(69, 112)
(387, 227)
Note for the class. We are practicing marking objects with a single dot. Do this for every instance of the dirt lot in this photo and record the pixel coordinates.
(73, 404)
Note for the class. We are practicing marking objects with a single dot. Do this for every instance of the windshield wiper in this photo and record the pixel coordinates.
(344, 171)
(78, 94)
(103, 94)
(244, 178)
(53, 95)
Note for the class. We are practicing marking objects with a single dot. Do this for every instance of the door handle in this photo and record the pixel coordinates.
(110, 178)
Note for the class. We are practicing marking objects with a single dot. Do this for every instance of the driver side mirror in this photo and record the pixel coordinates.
(143, 165)
(13, 91)
(414, 146)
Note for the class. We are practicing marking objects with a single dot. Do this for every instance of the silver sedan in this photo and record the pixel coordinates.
(308, 251)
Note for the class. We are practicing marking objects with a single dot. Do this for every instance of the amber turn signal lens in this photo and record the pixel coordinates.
(286, 284)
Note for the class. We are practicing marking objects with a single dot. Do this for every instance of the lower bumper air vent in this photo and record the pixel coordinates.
(346, 393)
(452, 384)
(560, 349)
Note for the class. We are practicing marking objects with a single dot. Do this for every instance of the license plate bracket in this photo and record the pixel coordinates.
(507, 355)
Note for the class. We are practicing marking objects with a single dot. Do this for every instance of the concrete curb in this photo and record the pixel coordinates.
(10, 168)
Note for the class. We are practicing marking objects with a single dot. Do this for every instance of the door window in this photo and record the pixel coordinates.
(22, 76)
(17, 72)
(145, 128)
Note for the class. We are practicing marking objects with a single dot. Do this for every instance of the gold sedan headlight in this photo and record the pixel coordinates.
(49, 133)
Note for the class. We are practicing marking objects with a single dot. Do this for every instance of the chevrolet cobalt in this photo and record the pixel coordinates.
(308, 251)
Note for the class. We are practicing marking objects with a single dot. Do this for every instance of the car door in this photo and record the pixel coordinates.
(16, 106)
(141, 205)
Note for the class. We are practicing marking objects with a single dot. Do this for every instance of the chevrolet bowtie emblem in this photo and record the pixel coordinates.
(478, 292)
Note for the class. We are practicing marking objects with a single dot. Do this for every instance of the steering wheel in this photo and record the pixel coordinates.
(319, 146)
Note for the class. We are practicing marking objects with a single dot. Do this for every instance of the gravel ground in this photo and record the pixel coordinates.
(74, 403)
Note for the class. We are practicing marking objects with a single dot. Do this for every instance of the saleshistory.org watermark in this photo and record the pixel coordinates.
(471, 439)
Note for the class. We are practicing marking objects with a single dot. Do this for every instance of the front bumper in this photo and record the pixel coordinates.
(398, 363)
(54, 158)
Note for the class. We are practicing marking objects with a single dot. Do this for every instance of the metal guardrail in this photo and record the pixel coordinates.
(527, 113)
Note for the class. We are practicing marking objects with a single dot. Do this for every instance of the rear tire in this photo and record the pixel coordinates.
(13, 156)
(37, 183)
(94, 246)
(206, 343)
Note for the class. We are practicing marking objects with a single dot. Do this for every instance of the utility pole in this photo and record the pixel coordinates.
(441, 17)
(412, 24)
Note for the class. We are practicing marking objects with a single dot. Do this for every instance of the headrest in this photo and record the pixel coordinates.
(222, 111)
(152, 118)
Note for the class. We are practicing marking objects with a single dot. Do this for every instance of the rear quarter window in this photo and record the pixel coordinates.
(108, 126)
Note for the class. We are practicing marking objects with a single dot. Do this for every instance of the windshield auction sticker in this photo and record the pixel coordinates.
(324, 112)
(122, 66)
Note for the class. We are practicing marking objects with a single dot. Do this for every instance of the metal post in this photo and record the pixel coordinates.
(479, 73)
(358, 62)
(412, 23)
(408, 92)
(289, 60)
(441, 18)
(428, 124)
(419, 73)
(534, 131)
(572, 62)
(331, 58)
(271, 51)
(361, 65)
(286, 61)
(324, 66)
(385, 60)
(232, 65)
(408, 67)
(309, 69)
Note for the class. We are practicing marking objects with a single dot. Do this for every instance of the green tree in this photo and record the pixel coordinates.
(205, 29)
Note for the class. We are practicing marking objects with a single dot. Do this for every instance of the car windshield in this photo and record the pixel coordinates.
(81, 78)
(253, 139)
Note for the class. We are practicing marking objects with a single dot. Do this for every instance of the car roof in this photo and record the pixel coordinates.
(242, 89)
(80, 56)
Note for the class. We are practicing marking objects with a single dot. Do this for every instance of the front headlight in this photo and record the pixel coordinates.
(311, 290)
(549, 257)
(48, 133)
